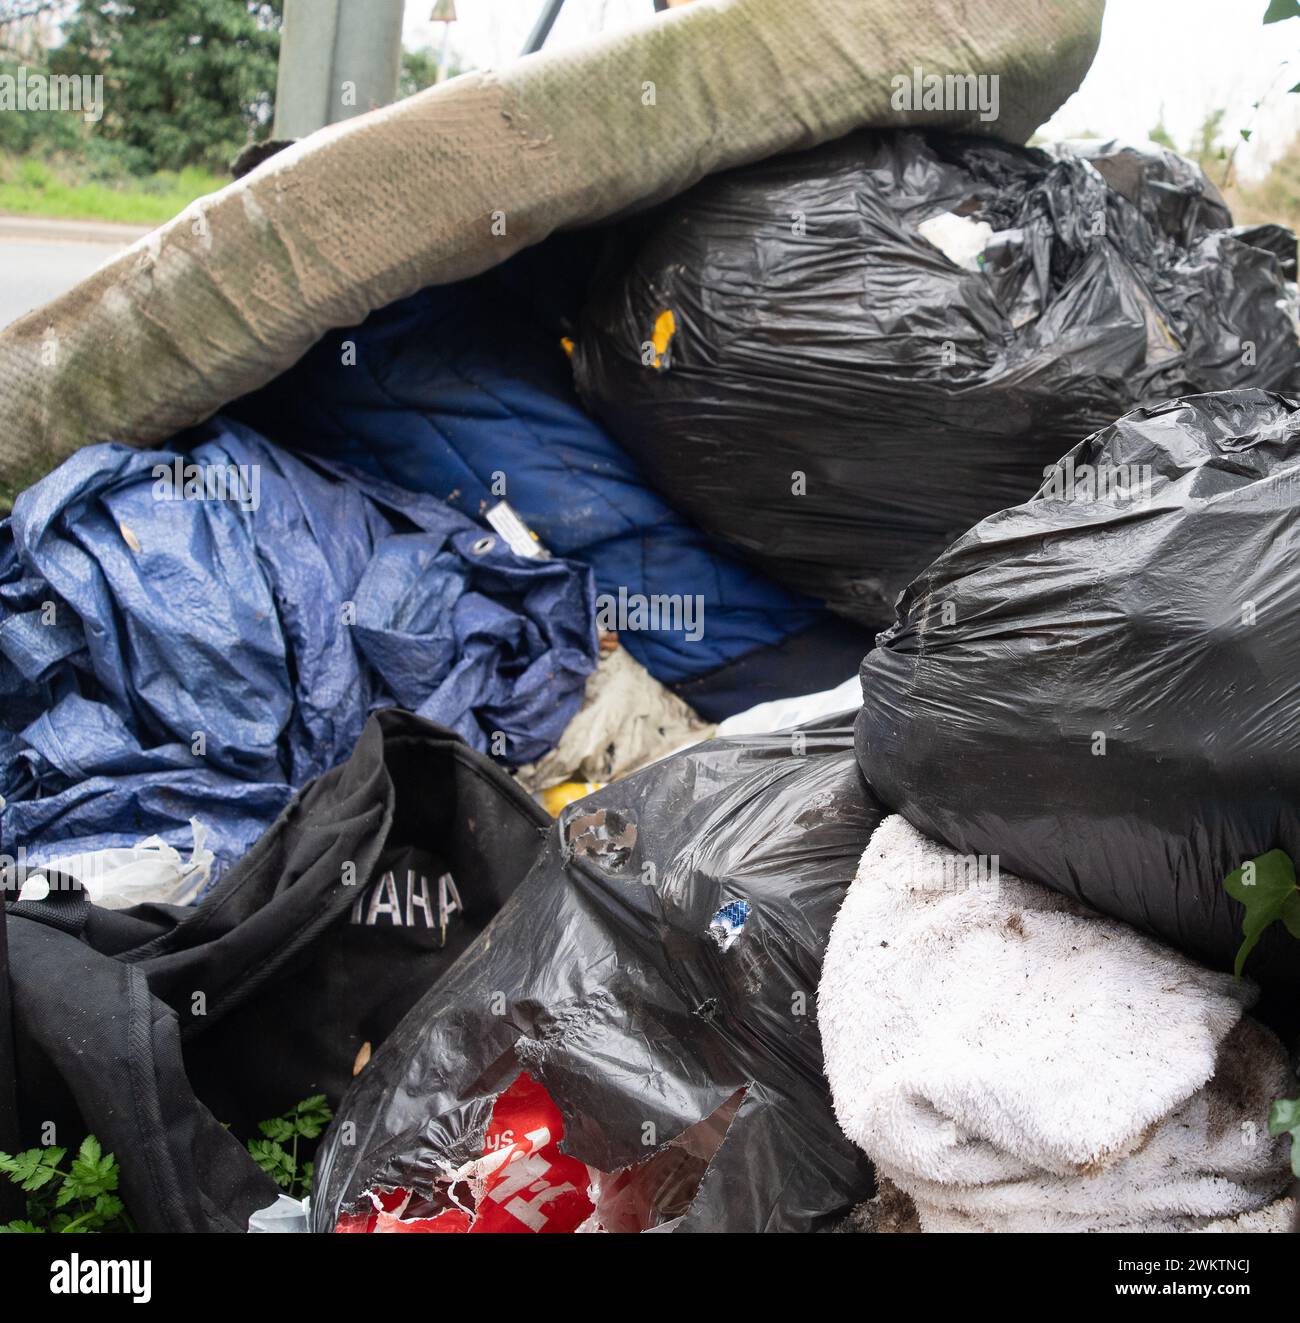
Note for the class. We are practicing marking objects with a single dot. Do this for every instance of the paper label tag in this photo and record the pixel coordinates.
(516, 534)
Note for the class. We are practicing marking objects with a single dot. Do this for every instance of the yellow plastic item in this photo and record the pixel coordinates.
(665, 329)
(557, 798)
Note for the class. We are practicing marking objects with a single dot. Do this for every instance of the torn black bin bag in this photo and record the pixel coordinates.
(1276, 239)
(1102, 686)
(350, 907)
(839, 360)
(661, 959)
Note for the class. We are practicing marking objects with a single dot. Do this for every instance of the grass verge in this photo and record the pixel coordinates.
(31, 187)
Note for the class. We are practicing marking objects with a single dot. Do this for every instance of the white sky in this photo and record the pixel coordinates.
(1179, 59)
(1187, 58)
(490, 32)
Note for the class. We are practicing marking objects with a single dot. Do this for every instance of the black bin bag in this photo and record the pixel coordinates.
(656, 975)
(840, 360)
(1102, 686)
(156, 1027)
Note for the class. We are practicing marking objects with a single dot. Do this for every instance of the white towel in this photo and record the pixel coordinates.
(1013, 1061)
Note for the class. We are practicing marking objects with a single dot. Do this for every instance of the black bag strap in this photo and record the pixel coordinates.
(181, 1170)
(11, 1197)
(66, 907)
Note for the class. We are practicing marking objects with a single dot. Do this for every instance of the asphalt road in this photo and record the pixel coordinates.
(32, 273)
(41, 259)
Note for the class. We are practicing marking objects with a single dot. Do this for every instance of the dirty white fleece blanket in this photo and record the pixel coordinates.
(1013, 1061)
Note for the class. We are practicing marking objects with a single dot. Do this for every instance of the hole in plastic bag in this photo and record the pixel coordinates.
(523, 1183)
(728, 923)
(606, 837)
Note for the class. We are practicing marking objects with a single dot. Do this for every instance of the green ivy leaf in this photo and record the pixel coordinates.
(305, 1120)
(1284, 1115)
(108, 1208)
(33, 1168)
(93, 1172)
(311, 1116)
(1267, 888)
(273, 1160)
(1280, 10)
(72, 1202)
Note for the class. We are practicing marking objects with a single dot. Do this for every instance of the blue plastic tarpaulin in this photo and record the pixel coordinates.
(464, 392)
(174, 647)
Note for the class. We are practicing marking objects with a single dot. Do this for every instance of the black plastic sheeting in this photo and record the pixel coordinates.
(663, 954)
(815, 332)
(1104, 690)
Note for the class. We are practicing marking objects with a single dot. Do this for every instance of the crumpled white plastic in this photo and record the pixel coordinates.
(961, 239)
(151, 870)
(285, 1215)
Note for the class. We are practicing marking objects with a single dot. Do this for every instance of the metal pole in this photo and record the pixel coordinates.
(542, 29)
(338, 58)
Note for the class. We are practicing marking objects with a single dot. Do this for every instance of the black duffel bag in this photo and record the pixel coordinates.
(157, 1026)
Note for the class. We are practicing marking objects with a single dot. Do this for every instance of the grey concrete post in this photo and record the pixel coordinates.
(338, 58)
